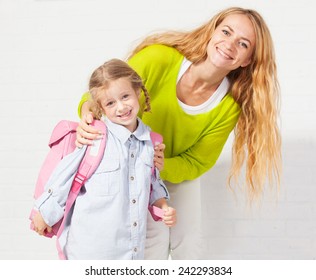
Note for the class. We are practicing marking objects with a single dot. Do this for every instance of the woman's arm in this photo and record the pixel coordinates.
(201, 156)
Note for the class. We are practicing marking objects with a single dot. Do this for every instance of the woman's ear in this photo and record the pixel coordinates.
(246, 63)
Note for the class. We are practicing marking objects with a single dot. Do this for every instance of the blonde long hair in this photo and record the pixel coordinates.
(257, 141)
(110, 71)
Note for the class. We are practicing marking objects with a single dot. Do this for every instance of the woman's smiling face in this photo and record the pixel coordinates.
(232, 43)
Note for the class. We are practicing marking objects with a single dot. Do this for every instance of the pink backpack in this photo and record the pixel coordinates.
(62, 143)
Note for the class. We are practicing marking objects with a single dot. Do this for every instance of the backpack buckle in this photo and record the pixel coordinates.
(77, 183)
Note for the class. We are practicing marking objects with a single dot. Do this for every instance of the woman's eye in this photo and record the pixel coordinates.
(225, 32)
(244, 45)
(125, 96)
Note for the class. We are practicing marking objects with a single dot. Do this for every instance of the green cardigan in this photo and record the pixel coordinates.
(193, 142)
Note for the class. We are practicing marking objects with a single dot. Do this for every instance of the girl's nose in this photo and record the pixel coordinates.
(120, 105)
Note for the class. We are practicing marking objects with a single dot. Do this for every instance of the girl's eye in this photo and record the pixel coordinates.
(109, 104)
(125, 96)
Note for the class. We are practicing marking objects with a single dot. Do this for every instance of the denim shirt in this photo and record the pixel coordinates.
(109, 217)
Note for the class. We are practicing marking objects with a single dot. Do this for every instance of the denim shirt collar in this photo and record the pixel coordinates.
(142, 133)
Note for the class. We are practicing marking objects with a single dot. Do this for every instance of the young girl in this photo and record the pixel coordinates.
(108, 220)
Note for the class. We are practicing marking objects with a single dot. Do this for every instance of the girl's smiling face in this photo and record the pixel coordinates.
(120, 103)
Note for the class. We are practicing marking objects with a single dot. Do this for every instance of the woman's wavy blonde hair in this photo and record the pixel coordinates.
(257, 142)
(110, 71)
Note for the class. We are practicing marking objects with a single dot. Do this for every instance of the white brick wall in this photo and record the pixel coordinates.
(47, 52)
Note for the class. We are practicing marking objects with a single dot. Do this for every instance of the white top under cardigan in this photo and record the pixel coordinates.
(209, 104)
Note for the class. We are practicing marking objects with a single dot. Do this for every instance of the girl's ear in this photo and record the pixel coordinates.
(138, 92)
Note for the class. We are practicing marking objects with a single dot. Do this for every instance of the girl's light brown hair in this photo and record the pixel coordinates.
(257, 142)
(110, 71)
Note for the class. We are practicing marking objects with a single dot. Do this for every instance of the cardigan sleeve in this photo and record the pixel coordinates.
(155, 64)
(201, 156)
(85, 97)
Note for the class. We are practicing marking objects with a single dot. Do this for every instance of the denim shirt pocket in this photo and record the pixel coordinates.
(106, 179)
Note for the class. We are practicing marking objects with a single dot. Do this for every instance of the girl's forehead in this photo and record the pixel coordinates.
(117, 88)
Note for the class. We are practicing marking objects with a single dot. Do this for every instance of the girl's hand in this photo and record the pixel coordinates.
(39, 224)
(85, 132)
(159, 156)
(169, 217)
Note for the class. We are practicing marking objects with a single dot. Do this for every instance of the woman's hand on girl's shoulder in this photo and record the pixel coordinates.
(85, 132)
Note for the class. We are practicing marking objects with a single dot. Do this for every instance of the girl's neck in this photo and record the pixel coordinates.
(132, 128)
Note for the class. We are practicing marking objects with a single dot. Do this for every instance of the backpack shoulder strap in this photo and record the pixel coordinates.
(155, 137)
(88, 165)
(92, 157)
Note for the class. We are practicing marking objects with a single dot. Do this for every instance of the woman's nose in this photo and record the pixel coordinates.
(229, 44)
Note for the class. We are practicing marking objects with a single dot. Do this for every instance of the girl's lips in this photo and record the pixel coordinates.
(125, 115)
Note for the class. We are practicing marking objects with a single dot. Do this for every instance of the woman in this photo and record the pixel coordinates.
(203, 84)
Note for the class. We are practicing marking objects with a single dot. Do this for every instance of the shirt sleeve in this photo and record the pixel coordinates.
(51, 203)
(158, 189)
